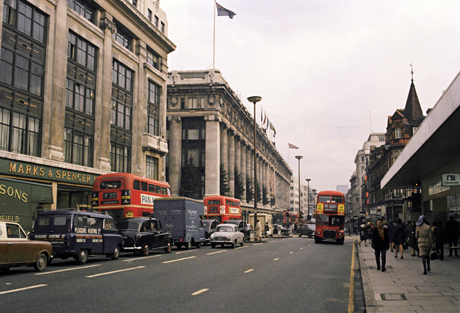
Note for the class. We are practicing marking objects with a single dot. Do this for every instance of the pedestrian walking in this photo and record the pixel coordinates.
(439, 238)
(258, 231)
(451, 230)
(390, 234)
(380, 244)
(267, 230)
(412, 240)
(398, 237)
(424, 236)
(369, 230)
(362, 234)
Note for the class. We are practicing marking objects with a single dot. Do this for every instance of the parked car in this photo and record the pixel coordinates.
(142, 234)
(78, 234)
(243, 227)
(306, 230)
(16, 249)
(209, 227)
(227, 234)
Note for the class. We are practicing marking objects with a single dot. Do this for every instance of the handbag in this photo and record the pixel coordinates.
(434, 256)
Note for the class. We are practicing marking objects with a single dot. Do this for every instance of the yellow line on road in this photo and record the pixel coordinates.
(351, 304)
(22, 289)
(276, 259)
(248, 271)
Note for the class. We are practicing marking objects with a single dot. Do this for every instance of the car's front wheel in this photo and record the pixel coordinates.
(82, 257)
(116, 253)
(168, 248)
(41, 263)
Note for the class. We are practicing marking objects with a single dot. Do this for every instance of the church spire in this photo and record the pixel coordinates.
(413, 111)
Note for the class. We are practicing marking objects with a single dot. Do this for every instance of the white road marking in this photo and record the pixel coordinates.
(241, 247)
(185, 251)
(114, 272)
(276, 259)
(258, 244)
(68, 269)
(220, 251)
(199, 291)
(172, 261)
(143, 258)
(22, 289)
(291, 252)
(248, 271)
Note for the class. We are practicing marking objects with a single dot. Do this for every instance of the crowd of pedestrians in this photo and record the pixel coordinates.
(424, 241)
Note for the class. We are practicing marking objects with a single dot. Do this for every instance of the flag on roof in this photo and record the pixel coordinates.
(221, 11)
(291, 146)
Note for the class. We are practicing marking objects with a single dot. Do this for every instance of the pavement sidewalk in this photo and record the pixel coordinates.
(403, 287)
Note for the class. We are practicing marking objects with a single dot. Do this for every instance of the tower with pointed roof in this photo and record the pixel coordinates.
(401, 126)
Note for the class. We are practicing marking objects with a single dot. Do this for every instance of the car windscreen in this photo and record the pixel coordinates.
(224, 229)
(128, 225)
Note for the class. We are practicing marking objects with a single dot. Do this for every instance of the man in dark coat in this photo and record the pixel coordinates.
(398, 237)
(451, 231)
(380, 243)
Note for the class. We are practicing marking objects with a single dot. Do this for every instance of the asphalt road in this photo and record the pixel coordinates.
(279, 275)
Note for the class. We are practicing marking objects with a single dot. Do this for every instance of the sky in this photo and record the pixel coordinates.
(329, 72)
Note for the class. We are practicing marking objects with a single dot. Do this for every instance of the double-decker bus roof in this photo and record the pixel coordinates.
(330, 193)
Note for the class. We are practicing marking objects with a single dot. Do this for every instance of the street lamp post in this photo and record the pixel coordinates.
(255, 99)
(314, 196)
(298, 157)
(308, 196)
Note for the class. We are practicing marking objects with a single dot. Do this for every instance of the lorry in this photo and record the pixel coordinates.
(181, 217)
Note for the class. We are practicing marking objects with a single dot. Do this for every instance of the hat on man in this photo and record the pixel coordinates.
(420, 221)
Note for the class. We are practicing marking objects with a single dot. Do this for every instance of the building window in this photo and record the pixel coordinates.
(155, 21)
(120, 156)
(79, 97)
(78, 147)
(153, 115)
(122, 76)
(81, 51)
(25, 18)
(151, 165)
(162, 27)
(19, 133)
(149, 15)
(121, 115)
(82, 8)
(397, 133)
(122, 37)
(153, 59)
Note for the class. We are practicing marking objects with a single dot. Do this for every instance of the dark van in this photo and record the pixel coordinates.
(78, 234)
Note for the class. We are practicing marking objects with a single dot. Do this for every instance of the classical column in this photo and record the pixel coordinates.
(212, 156)
(243, 169)
(175, 142)
(231, 163)
(56, 113)
(224, 148)
(102, 134)
(237, 156)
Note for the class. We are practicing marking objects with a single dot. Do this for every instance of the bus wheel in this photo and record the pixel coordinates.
(82, 257)
(145, 249)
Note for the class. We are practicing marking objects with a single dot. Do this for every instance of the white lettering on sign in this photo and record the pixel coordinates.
(192, 212)
(147, 199)
(450, 179)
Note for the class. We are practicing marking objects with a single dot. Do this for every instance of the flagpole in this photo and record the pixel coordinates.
(214, 38)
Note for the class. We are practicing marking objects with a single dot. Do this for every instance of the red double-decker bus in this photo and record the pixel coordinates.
(127, 195)
(222, 208)
(330, 217)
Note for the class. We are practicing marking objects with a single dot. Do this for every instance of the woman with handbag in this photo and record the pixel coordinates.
(424, 236)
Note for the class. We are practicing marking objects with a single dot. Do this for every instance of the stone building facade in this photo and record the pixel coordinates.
(82, 93)
(208, 124)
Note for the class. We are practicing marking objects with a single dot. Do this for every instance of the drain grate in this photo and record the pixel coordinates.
(393, 296)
